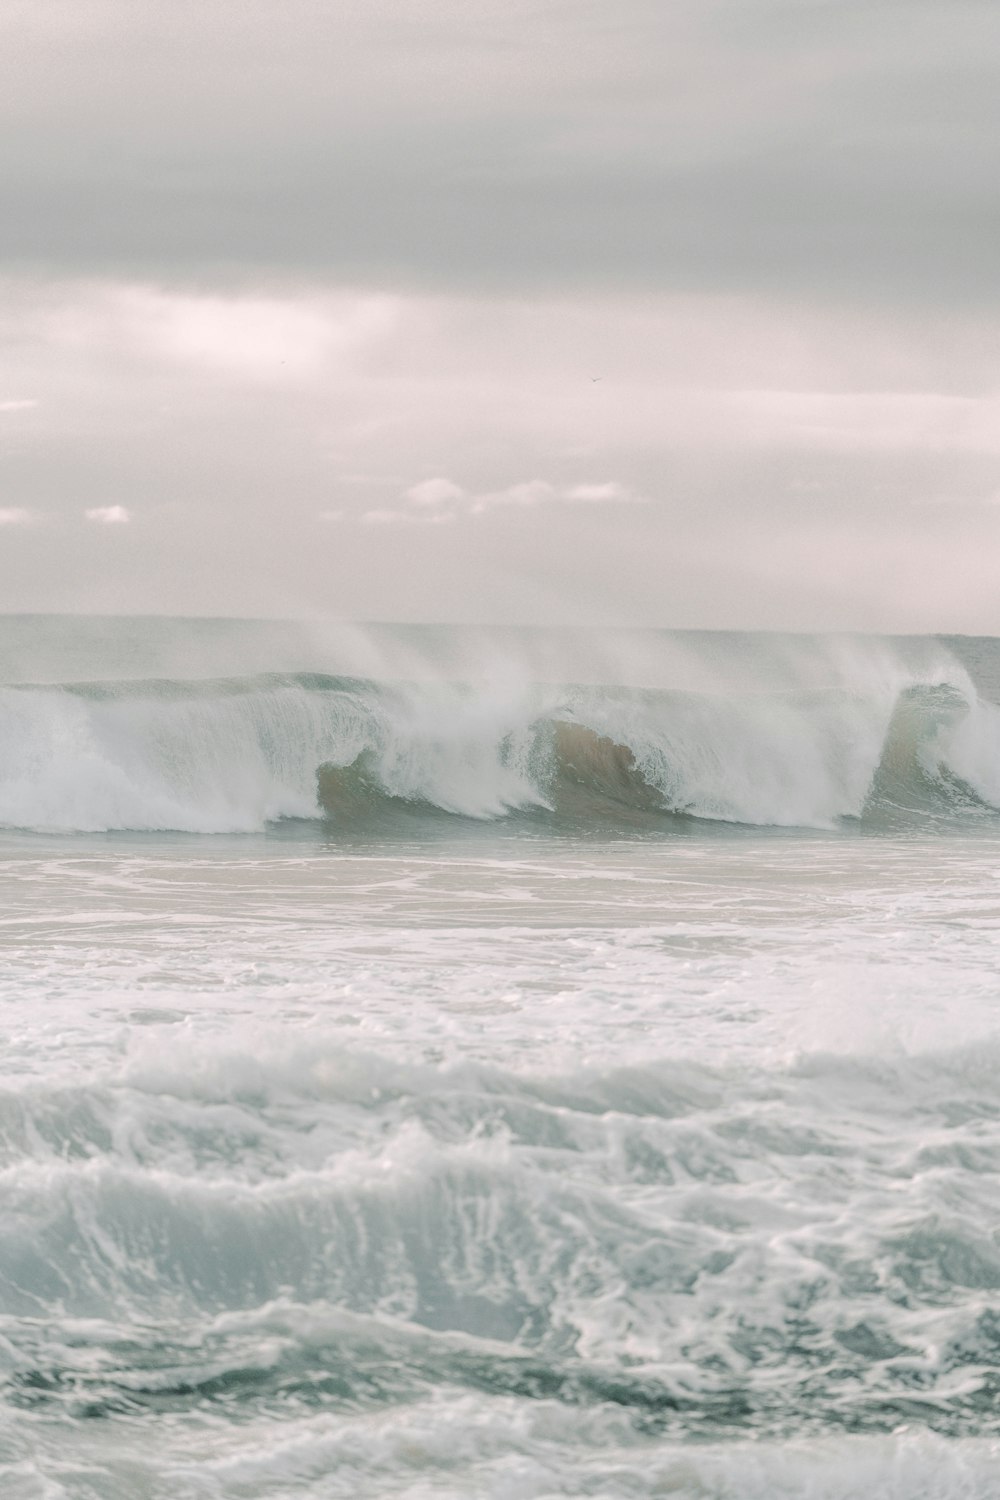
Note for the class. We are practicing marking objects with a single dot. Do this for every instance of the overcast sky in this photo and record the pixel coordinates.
(673, 312)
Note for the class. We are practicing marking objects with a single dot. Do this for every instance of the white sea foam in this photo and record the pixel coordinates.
(569, 1146)
(801, 744)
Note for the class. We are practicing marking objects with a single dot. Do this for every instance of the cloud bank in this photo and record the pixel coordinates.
(673, 314)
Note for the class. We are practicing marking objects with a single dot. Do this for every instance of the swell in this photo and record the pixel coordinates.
(239, 754)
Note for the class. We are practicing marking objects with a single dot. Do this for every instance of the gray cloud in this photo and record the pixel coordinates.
(770, 145)
(279, 283)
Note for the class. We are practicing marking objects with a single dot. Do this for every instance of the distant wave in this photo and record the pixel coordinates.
(236, 754)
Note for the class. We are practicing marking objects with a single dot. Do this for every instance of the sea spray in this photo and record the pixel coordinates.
(233, 755)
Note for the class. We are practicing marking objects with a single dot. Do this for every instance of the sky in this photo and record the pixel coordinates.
(642, 312)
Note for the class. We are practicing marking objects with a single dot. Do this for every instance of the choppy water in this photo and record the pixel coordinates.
(513, 1096)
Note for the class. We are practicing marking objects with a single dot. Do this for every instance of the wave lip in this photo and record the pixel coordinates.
(234, 755)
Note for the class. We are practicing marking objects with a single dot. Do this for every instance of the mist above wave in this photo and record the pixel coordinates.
(785, 732)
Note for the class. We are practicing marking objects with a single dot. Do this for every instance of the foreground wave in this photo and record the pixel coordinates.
(236, 754)
(670, 1240)
(574, 1264)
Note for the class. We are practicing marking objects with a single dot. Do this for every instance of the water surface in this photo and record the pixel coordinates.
(478, 1075)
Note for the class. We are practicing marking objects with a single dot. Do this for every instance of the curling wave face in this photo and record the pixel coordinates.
(234, 754)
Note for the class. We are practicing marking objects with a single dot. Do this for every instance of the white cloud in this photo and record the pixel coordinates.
(837, 422)
(535, 492)
(530, 492)
(255, 337)
(432, 492)
(17, 405)
(108, 515)
(434, 501)
(386, 516)
(15, 515)
(275, 339)
(599, 494)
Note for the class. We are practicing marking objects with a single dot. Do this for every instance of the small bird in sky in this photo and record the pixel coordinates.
(596, 378)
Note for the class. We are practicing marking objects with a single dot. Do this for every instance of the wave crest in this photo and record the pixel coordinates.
(237, 754)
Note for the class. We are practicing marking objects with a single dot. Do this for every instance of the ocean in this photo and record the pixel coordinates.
(452, 1062)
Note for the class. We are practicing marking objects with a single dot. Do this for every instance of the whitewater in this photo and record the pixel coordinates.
(491, 1063)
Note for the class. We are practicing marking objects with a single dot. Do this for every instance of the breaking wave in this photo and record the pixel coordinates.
(236, 754)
